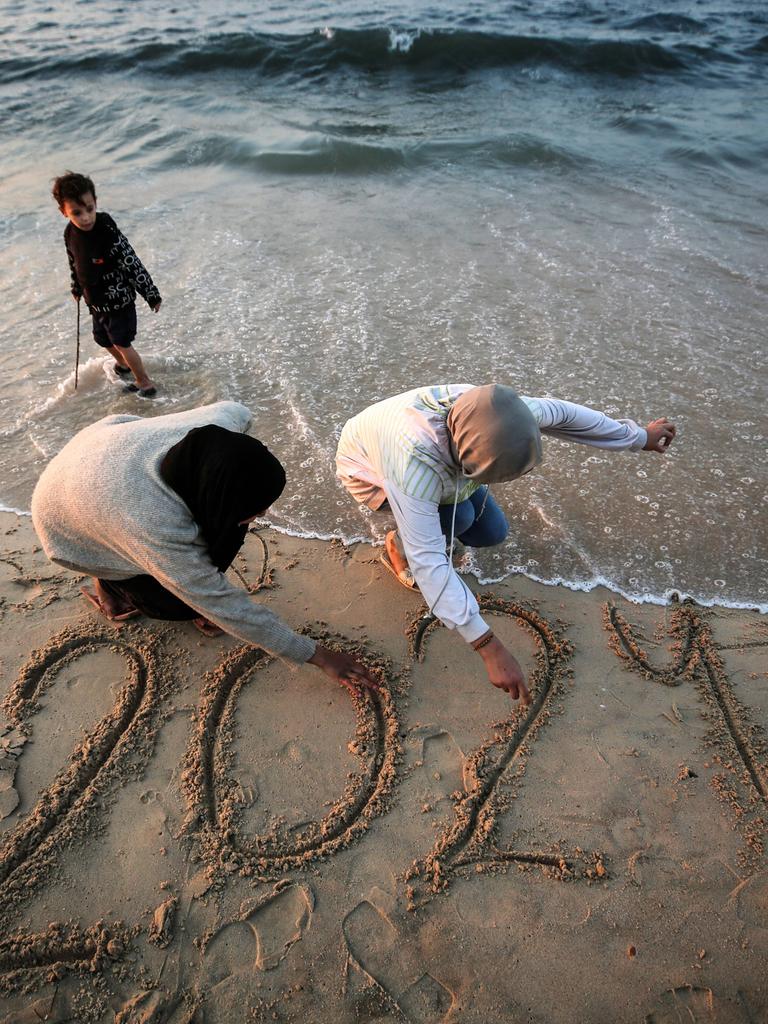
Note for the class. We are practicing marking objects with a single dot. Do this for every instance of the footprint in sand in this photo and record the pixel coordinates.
(691, 1005)
(392, 966)
(443, 764)
(262, 937)
(752, 911)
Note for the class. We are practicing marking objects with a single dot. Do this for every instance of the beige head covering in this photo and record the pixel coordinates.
(494, 434)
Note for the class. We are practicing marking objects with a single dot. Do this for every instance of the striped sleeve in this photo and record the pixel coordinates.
(571, 422)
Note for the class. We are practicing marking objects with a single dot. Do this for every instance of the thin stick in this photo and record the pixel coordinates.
(77, 352)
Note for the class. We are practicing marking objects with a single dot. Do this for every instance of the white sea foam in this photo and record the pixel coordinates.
(583, 586)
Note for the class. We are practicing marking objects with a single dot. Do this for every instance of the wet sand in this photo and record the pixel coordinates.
(193, 831)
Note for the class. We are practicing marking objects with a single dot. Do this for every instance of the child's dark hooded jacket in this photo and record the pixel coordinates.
(105, 269)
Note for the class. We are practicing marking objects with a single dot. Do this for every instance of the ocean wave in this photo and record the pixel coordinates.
(334, 155)
(666, 22)
(376, 50)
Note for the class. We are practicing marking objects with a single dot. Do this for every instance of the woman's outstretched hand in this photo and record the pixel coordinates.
(343, 668)
(661, 434)
(504, 670)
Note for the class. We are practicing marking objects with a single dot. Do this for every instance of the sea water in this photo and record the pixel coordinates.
(339, 202)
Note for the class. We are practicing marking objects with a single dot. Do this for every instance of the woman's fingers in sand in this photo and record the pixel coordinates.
(661, 434)
(504, 670)
(343, 668)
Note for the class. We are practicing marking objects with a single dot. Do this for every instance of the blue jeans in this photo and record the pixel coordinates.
(476, 527)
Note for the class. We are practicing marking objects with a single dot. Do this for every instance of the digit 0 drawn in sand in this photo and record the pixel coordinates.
(470, 839)
(214, 809)
(63, 810)
(696, 659)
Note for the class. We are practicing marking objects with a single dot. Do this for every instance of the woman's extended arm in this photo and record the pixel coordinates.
(579, 423)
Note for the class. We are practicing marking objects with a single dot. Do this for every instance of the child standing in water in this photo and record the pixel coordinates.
(107, 273)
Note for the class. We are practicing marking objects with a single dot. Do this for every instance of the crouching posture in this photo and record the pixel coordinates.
(156, 509)
(428, 456)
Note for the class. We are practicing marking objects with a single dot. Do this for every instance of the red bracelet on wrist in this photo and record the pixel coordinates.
(483, 641)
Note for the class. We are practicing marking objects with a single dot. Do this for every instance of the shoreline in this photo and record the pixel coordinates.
(248, 834)
(671, 596)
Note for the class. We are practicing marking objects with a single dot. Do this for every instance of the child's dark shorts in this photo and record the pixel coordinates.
(117, 328)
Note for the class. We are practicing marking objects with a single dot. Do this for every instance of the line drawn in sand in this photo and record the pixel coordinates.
(470, 839)
(696, 659)
(61, 948)
(264, 580)
(212, 795)
(61, 813)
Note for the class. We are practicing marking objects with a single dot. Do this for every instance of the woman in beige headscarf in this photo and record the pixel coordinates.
(428, 456)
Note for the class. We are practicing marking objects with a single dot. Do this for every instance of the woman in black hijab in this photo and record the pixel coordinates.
(154, 510)
(226, 480)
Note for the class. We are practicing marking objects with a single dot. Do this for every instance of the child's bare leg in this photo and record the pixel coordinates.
(117, 354)
(131, 358)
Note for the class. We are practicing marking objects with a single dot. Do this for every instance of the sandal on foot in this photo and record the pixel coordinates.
(149, 392)
(129, 613)
(404, 577)
(120, 370)
(207, 628)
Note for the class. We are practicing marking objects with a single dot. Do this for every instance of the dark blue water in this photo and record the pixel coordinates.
(341, 202)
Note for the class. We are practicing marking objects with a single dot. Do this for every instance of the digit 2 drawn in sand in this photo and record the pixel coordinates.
(208, 787)
(696, 659)
(470, 839)
(60, 813)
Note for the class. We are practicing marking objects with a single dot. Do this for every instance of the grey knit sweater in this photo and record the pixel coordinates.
(102, 508)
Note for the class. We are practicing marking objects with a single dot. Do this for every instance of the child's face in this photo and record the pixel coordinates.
(80, 212)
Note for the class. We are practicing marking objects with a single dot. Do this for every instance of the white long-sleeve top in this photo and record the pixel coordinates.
(398, 451)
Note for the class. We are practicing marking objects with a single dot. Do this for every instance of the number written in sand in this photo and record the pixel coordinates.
(61, 813)
(215, 817)
(468, 839)
(697, 660)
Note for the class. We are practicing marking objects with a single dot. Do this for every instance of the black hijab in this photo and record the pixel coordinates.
(222, 477)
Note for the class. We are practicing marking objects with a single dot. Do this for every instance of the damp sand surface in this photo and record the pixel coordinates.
(193, 831)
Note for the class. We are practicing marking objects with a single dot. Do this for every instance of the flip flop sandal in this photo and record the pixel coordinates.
(207, 628)
(120, 370)
(149, 392)
(404, 577)
(132, 613)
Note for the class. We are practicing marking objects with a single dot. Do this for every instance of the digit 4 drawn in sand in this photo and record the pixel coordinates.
(696, 659)
(469, 840)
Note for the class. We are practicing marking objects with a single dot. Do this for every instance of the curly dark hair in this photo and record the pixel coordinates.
(71, 186)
